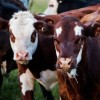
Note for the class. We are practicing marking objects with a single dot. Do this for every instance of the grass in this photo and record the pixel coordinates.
(39, 6)
(10, 89)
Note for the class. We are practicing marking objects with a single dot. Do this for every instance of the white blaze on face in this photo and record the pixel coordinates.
(22, 28)
(27, 81)
(78, 30)
(79, 57)
(57, 53)
(52, 7)
(58, 31)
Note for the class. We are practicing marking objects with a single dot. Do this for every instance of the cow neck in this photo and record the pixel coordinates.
(45, 49)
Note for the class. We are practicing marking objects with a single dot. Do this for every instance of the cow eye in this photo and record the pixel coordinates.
(51, 5)
(33, 36)
(79, 40)
(12, 37)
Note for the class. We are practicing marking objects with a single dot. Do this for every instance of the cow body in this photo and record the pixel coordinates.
(30, 54)
(78, 60)
(7, 8)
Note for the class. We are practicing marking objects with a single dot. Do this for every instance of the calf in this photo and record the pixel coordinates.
(34, 53)
(78, 64)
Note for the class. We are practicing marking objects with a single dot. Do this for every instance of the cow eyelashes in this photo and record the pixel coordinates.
(12, 37)
(33, 36)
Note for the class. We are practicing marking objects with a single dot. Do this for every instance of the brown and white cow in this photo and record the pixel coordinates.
(34, 53)
(78, 64)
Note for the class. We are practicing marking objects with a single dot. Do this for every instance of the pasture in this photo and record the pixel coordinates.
(10, 88)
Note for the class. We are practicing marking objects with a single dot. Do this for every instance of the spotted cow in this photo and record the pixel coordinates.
(78, 53)
(34, 53)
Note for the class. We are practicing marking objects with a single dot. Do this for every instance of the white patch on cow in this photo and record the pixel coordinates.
(72, 74)
(78, 30)
(58, 31)
(22, 28)
(48, 79)
(57, 53)
(27, 81)
(51, 9)
(4, 67)
(79, 57)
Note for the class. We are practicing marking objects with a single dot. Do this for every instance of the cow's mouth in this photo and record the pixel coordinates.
(23, 62)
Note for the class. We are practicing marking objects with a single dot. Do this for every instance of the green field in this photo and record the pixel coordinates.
(10, 89)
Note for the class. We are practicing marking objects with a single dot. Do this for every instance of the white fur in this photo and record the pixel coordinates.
(57, 53)
(78, 30)
(58, 31)
(79, 57)
(51, 10)
(22, 28)
(73, 74)
(27, 81)
(48, 79)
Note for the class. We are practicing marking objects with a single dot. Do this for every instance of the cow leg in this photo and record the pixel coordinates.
(1, 78)
(26, 81)
(46, 93)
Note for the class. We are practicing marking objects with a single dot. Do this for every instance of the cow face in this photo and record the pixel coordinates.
(23, 38)
(68, 42)
(52, 7)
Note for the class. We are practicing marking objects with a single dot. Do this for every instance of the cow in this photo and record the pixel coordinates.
(8, 7)
(76, 4)
(78, 59)
(91, 17)
(34, 53)
(6, 54)
(59, 6)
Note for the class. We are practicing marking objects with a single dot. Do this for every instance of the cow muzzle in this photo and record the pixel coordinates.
(64, 63)
(22, 57)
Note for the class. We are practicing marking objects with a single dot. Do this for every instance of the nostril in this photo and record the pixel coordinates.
(69, 63)
(26, 55)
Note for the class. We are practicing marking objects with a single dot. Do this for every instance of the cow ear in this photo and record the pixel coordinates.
(39, 26)
(92, 29)
(49, 21)
(4, 24)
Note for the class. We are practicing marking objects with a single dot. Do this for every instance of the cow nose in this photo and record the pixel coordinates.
(64, 63)
(22, 55)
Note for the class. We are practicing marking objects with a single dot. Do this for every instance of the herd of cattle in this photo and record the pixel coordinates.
(58, 48)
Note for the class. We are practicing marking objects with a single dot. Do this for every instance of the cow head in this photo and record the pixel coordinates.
(23, 38)
(70, 35)
(52, 7)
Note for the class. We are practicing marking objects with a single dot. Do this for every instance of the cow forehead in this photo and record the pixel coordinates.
(21, 24)
(78, 30)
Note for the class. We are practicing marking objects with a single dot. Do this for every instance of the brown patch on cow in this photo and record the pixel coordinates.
(12, 37)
